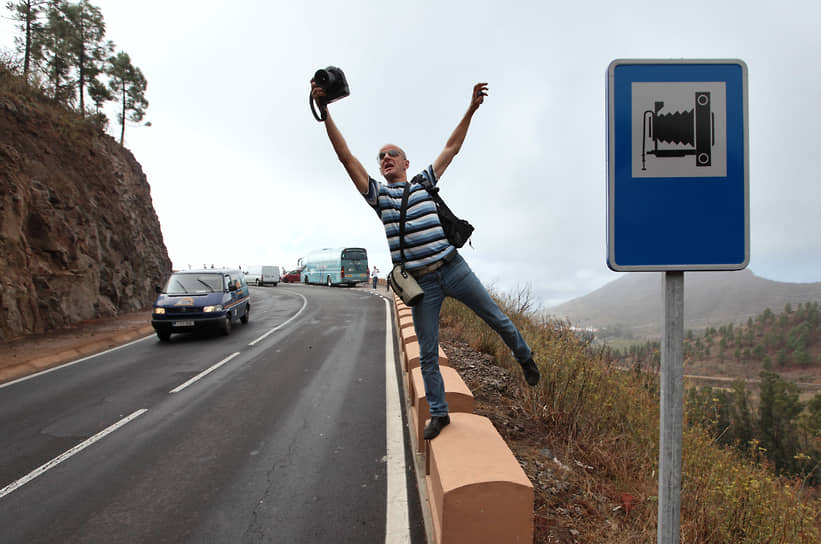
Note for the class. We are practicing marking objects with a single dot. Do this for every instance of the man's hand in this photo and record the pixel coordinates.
(479, 94)
(317, 93)
(316, 90)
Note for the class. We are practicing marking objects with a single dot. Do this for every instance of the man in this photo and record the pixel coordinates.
(429, 257)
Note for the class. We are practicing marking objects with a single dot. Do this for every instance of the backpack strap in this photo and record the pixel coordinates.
(425, 182)
(402, 214)
(441, 207)
(432, 190)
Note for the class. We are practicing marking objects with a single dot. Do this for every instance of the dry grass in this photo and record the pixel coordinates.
(30, 100)
(587, 437)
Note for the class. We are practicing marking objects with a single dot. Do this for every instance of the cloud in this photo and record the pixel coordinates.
(231, 127)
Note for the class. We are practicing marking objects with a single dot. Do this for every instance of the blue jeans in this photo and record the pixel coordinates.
(458, 281)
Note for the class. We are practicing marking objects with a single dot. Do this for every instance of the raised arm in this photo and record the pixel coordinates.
(355, 170)
(454, 143)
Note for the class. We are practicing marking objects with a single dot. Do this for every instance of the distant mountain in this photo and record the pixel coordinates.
(634, 301)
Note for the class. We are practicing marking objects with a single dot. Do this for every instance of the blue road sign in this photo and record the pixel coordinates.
(678, 165)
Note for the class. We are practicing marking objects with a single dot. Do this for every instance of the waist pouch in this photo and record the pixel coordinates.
(405, 285)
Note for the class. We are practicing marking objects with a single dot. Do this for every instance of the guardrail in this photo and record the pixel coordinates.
(475, 490)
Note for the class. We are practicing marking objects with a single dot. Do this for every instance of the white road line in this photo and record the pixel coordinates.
(397, 524)
(66, 365)
(275, 329)
(203, 373)
(62, 457)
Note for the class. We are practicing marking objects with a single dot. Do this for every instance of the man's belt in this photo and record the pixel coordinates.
(432, 267)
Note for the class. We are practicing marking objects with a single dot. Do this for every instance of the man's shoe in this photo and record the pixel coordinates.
(437, 423)
(531, 372)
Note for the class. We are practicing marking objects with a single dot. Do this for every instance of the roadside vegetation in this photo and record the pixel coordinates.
(599, 422)
(61, 53)
(763, 404)
(768, 341)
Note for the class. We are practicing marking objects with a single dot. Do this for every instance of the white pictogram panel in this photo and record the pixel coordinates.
(679, 129)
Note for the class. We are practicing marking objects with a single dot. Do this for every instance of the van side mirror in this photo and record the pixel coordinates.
(158, 289)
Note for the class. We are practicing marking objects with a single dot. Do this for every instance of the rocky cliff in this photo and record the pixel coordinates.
(79, 237)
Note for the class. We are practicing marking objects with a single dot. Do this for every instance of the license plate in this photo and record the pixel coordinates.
(183, 323)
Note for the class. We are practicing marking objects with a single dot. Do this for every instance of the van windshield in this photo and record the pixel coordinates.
(186, 284)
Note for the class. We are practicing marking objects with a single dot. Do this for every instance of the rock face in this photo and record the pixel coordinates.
(79, 237)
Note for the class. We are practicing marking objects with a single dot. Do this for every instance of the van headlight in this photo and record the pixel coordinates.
(210, 309)
(159, 311)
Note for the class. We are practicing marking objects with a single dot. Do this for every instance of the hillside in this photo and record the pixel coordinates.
(633, 303)
(587, 437)
(79, 237)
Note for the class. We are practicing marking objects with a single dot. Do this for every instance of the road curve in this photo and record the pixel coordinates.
(276, 433)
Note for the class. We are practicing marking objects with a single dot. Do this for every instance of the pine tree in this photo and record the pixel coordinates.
(128, 84)
(741, 415)
(99, 93)
(29, 14)
(778, 409)
(55, 49)
(801, 357)
(88, 50)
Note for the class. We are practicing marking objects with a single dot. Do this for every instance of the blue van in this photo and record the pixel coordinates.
(201, 299)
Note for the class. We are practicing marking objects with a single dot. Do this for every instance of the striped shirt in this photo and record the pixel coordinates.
(425, 241)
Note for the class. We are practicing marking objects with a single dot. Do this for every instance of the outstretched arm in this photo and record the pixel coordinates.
(355, 170)
(454, 143)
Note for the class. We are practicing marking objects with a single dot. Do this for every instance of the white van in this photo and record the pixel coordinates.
(260, 275)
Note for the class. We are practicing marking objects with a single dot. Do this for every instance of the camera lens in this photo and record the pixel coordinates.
(323, 78)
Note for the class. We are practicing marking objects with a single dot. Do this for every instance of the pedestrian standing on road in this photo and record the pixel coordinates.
(431, 259)
(375, 276)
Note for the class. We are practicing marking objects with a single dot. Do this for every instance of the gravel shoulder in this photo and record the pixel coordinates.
(28, 355)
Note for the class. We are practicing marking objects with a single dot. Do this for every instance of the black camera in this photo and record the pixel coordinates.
(332, 81)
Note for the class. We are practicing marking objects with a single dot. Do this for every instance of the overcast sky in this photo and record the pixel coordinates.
(241, 173)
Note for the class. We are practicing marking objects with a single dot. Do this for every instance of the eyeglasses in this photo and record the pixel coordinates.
(391, 152)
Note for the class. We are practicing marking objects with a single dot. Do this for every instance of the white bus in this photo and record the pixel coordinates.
(335, 266)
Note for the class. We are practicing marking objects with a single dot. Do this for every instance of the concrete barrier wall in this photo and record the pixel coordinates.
(457, 394)
(476, 491)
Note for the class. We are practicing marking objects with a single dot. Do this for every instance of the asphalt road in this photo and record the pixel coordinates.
(276, 433)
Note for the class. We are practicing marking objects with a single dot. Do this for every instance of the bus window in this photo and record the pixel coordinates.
(355, 255)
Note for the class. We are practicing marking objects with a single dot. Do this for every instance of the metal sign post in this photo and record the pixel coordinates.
(672, 402)
(678, 200)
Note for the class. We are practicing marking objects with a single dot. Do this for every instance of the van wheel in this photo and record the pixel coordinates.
(226, 328)
(329, 282)
(244, 318)
(165, 336)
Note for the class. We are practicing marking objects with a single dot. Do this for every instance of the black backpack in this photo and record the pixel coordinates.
(457, 231)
